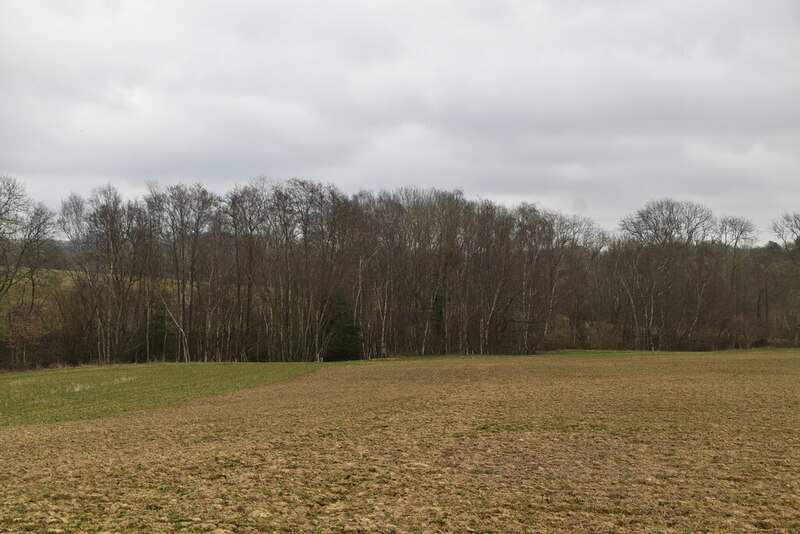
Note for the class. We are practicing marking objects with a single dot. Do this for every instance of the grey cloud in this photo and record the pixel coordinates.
(583, 106)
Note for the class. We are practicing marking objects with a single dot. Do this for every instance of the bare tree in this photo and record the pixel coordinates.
(24, 229)
(185, 214)
(109, 252)
(787, 228)
(663, 279)
(24, 226)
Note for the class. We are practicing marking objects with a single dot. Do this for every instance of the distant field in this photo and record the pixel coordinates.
(577, 442)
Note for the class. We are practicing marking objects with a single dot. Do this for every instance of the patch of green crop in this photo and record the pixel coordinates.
(93, 392)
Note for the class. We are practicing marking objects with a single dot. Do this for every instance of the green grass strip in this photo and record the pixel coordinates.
(92, 392)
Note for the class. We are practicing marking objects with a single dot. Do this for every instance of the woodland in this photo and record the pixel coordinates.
(299, 271)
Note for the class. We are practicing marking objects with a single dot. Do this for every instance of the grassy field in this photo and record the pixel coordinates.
(92, 392)
(568, 442)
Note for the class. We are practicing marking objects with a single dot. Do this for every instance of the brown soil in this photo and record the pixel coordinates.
(661, 443)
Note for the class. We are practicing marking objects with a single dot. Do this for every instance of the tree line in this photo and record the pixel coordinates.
(299, 271)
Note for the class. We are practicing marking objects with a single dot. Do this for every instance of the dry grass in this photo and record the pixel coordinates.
(624, 443)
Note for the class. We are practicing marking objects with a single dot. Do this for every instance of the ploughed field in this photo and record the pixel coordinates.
(624, 442)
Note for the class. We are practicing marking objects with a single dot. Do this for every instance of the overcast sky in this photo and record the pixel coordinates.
(588, 107)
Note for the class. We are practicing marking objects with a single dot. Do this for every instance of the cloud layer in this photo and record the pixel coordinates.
(590, 107)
